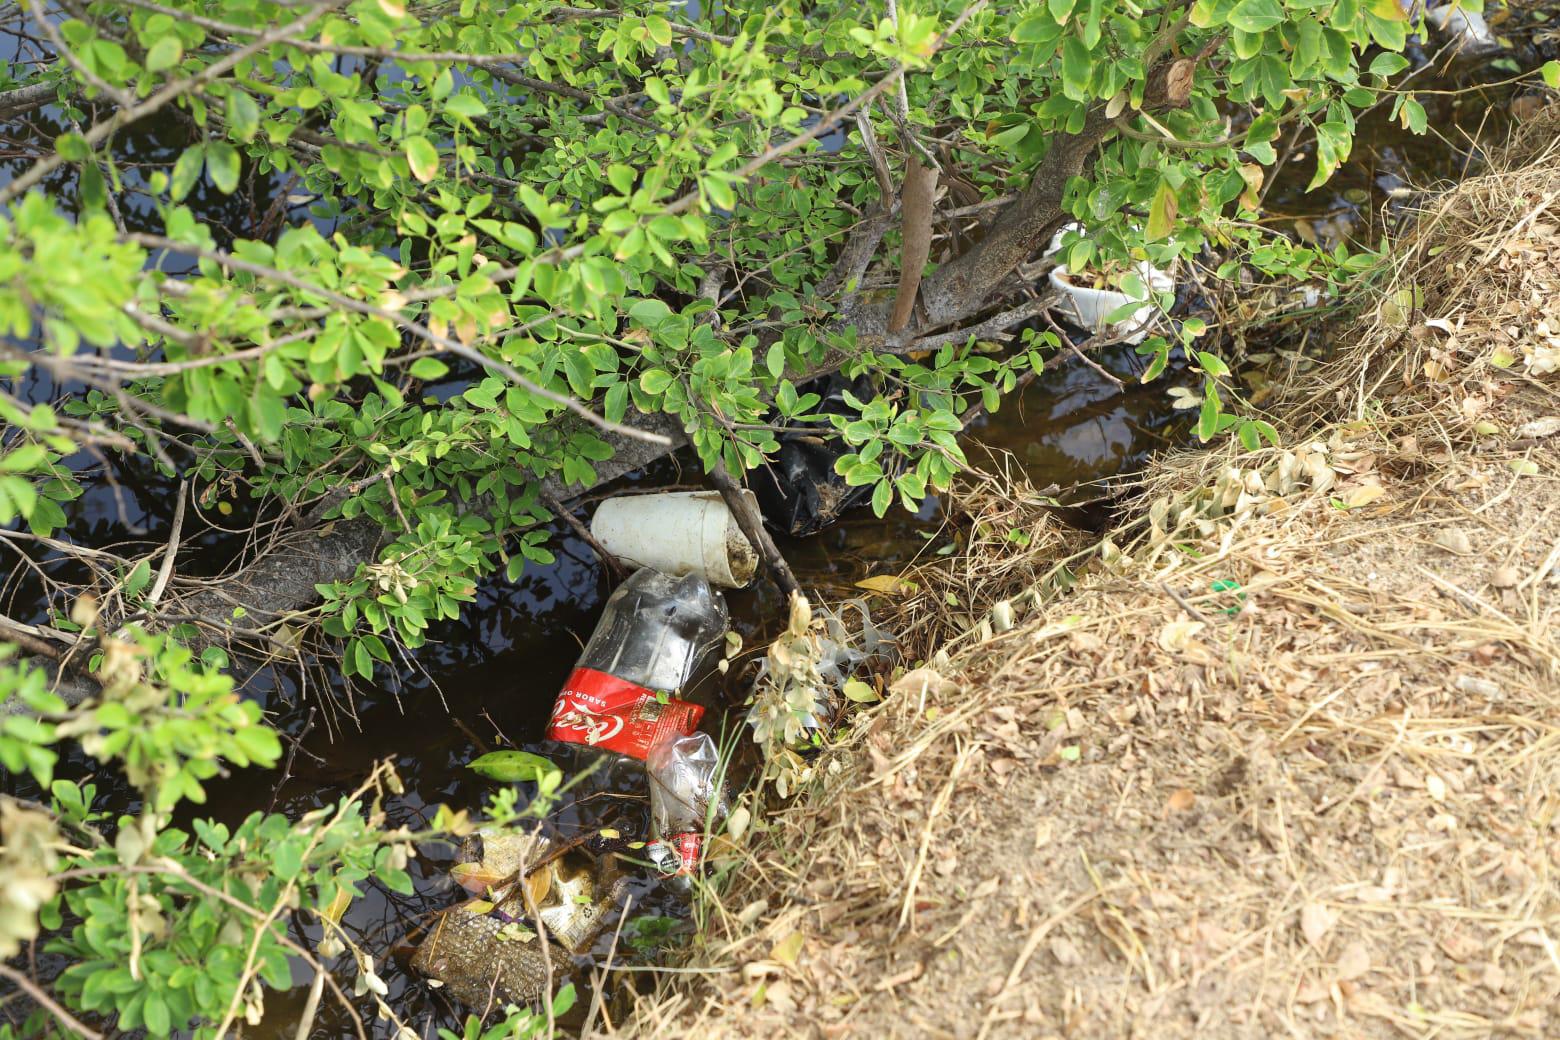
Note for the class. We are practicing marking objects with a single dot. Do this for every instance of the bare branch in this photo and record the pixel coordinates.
(166, 570)
(48, 1003)
(916, 224)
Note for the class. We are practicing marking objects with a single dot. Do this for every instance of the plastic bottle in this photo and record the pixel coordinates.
(652, 635)
(684, 781)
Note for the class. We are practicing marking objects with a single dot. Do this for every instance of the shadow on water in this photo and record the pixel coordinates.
(488, 680)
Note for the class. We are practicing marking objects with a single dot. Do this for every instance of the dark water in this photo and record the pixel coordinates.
(488, 680)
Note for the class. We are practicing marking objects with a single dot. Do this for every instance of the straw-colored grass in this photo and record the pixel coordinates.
(1283, 761)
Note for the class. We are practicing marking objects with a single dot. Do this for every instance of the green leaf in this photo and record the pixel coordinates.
(1157, 366)
(1254, 16)
(243, 115)
(428, 368)
(1208, 418)
(1388, 64)
(860, 692)
(186, 171)
(719, 191)
(1161, 213)
(222, 166)
(73, 147)
(165, 53)
(1247, 432)
(422, 157)
(564, 1000)
(24, 459)
(154, 1012)
(655, 381)
(1413, 116)
(287, 859)
(882, 497)
(1551, 74)
(139, 578)
(1077, 68)
(1212, 364)
(512, 766)
(579, 372)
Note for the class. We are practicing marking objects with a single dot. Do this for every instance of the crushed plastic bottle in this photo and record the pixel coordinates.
(648, 644)
(684, 785)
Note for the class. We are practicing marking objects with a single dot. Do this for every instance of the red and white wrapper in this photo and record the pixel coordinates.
(601, 710)
(676, 853)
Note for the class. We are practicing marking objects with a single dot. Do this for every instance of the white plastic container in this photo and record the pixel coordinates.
(678, 532)
(1090, 308)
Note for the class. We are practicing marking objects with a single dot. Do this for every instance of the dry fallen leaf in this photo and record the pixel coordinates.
(1454, 540)
(885, 584)
(1311, 991)
(788, 949)
(1316, 921)
(1547, 426)
(1065, 952)
(1363, 495)
(924, 680)
(1474, 684)
(1175, 635)
(1506, 577)
(737, 822)
(1460, 946)
(916, 199)
(1354, 961)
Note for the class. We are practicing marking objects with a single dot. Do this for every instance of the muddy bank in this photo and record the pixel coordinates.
(1278, 756)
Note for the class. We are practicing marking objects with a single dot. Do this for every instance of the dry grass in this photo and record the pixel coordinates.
(1324, 805)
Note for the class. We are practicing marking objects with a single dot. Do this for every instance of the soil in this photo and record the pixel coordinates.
(1284, 760)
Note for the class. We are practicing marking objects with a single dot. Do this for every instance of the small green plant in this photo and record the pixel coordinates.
(167, 928)
(517, 1023)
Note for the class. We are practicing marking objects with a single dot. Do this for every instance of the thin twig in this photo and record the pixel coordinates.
(166, 570)
(752, 524)
(1078, 353)
(416, 328)
(124, 115)
(311, 1007)
(546, 946)
(613, 565)
(292, 754)
(43, 1000)
(1184, 603)
(601, 977)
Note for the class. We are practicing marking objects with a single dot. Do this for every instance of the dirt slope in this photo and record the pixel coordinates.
(1322, 801)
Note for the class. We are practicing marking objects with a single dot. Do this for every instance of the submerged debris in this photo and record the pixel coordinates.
(539, 903)
(799, 490)
(489, 946)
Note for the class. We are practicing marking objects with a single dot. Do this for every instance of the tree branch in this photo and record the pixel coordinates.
(124, 115)
(416, 328)
(48, 1003)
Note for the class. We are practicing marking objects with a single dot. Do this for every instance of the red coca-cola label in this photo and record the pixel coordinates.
(687, 846)
(677, 853)
(603, 711)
